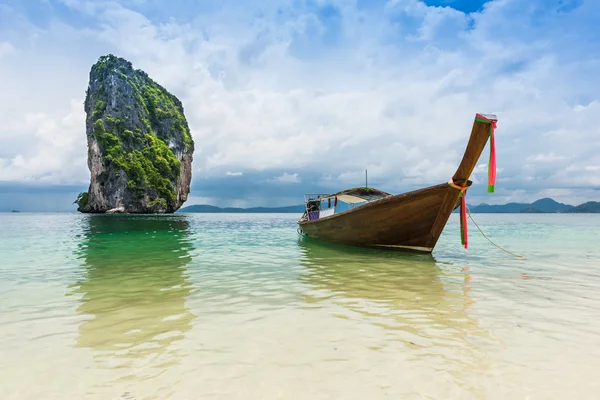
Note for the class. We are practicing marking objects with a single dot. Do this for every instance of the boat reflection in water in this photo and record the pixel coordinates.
(420, 304)
(133, 289)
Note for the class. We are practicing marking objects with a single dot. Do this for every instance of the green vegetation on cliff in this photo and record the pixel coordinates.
(155, 166)
(139, 127)
(82, 199)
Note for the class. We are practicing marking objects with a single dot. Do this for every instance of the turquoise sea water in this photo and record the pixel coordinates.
(214, 306)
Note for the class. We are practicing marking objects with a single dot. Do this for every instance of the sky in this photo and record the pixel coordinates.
(295, 96)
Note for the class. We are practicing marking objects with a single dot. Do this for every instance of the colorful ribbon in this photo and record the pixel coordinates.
(492, 163)
(464, 230)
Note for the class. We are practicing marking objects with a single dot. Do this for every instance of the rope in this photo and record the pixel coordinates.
(489, 240)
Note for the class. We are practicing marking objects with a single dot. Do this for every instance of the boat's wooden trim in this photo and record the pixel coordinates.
(480, 134)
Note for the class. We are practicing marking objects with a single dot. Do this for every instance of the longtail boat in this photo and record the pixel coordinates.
(410, 221)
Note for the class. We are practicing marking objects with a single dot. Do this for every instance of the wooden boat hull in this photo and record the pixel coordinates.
(409, 221)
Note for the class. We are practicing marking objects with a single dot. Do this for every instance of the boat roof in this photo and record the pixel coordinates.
(357, 195)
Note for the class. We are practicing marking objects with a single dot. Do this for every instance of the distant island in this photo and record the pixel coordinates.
(545, 205)
(589, 207)
(542, 206)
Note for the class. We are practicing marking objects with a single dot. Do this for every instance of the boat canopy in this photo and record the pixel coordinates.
(356, 195)
(351, 197)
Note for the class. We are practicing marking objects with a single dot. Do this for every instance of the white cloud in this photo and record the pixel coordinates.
(392, 90)
(6, 48)
(51, 154)
(286, 178)
(546, 158)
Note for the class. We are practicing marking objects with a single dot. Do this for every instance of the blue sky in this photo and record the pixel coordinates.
(286, 97)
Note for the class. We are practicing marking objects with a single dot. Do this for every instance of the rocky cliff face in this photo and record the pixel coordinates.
(139, 144)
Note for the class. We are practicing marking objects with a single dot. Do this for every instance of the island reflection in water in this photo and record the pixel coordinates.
(134, 290)
(419, 303)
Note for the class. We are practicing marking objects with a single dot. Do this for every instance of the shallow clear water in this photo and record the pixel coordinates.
(238, 307)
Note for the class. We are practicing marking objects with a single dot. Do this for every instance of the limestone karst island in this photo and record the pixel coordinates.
(140, 148)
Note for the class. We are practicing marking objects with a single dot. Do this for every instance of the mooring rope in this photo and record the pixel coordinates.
(489, 240)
